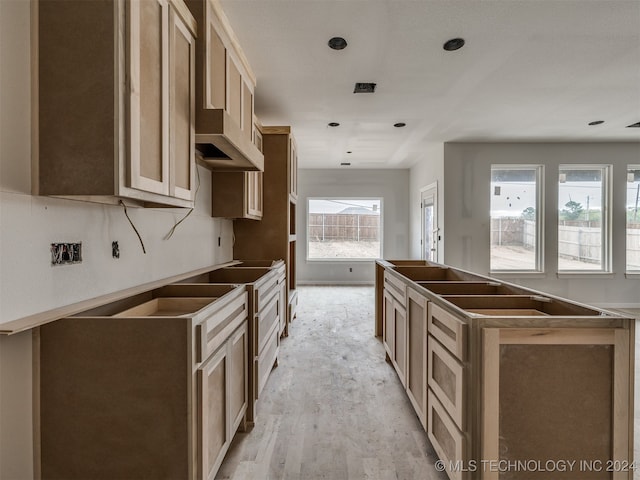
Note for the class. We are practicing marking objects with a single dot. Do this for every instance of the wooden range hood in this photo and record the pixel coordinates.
(225, 84)
(221, 145)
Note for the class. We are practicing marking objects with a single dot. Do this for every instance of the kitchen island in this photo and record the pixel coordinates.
(509, 383)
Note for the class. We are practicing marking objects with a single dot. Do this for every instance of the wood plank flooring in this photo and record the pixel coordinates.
(333, 408)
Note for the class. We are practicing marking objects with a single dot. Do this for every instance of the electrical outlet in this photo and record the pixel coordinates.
(219, 241)
(115, 249)
(66, 253)
(350, 270)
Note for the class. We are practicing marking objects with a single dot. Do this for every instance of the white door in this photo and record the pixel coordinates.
(429, 207)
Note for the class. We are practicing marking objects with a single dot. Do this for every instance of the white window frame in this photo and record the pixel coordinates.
(539, 206)
(630, 272)
(381, 233)
(606, 230)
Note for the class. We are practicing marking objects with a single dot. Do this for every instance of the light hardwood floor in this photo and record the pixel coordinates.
(333, 408)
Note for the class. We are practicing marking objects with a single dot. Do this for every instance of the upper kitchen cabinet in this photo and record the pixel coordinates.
(224, 94)
(114, 109)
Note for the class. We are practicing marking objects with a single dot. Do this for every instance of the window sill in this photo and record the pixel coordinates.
(634, 275)
(516, 274)
(341, 260)
(586, 275)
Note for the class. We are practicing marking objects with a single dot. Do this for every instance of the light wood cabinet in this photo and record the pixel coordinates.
(151, 386)
(511, 374)
(239, 194)
(274, 237)
(264, 288)
(236, 195)
(115, 101)
(224, 94)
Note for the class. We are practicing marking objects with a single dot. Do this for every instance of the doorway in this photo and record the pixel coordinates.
(430, 229)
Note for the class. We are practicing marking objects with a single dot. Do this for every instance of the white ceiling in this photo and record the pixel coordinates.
(531, 70)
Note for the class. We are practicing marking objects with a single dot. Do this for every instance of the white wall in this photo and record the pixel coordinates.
(466, 213)
(429, 170)
(28, 283)
(391, 185)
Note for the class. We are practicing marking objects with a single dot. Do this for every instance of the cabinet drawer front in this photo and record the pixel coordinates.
(267, 359)
(265, 321)
(214, 330)
(448, 442)
(449, 330)
(266, 291)
(396, 287)
(446, 379)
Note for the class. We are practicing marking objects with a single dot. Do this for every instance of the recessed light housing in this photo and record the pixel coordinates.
(399, 124)
(453, 44)
(333, 124)
(596, 122)
(337, 43)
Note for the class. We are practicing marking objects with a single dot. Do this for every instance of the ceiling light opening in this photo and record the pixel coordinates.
(364, 87)
(399, 124)
(453, 44)
(333, 124)
(337, 43)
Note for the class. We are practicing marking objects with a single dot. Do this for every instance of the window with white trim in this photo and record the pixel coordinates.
(344, 228)
(633, 218)
(516, 213)
(583, 218)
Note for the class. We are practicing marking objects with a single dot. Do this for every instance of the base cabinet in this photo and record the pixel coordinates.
(152, 386)
(417, 309)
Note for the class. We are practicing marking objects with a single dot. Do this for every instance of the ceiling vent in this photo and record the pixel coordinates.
(364, 88)
(635, 125)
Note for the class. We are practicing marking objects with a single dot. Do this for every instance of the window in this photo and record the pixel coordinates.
(344, 229)
(516, 215)
(633, 218)
(583, 218)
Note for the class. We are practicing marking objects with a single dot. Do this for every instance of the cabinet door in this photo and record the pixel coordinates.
(238, 396)
(213, 419)
(293, 168)
(182, 108)
(253, 192)
(148, 143)
(388, 325)
(416, 353)
(400, 337)
(215, 67)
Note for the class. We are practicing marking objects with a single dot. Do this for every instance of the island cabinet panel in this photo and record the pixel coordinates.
(417, 309)
(502, 376)
(576, 380)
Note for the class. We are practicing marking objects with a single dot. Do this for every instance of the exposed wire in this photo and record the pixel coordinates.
(195, 196)
(133, 226)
